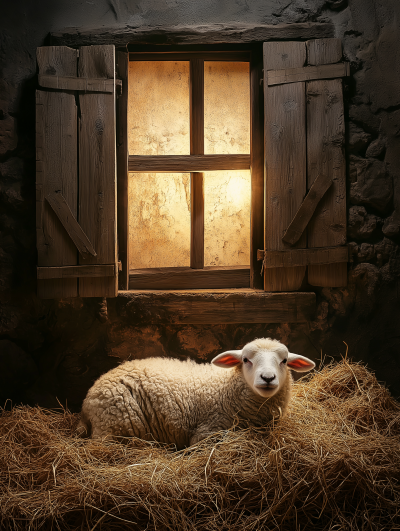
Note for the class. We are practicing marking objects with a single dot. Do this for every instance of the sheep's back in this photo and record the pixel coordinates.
(155, 398)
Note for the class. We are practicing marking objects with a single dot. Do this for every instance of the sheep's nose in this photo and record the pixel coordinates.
(268, 380)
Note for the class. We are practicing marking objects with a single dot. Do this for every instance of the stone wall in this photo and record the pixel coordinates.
(53, 350)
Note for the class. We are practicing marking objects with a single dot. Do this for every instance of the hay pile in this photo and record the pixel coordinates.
(333, 464)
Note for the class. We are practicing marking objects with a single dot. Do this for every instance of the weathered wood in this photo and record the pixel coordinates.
(307, 73)
(325, 154)
(307, 209)
(187, 163)
(303, 257)
(122, 171)
(97, 169)
(76, 271)
(57, 61)
(77, 83)
(285, 159)
(196, 148)
(161, 55)
(324, 51)
(221, 306)
(257, 167)
(196, 220)
(201, 34)
(188, 278)
(62, 210)
(56, 169)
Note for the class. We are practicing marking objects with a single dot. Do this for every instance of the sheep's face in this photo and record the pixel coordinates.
(265, 364)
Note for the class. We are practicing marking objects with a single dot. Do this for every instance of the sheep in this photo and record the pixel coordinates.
(182, 402)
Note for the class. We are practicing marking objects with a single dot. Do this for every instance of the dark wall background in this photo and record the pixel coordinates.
(53, 350)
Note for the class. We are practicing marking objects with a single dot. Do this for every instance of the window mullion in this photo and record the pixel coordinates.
(197, 148)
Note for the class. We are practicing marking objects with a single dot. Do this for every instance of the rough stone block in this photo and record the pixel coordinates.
(361, 224)
(12, 169)
(385, 248)
(358, 138)
(365, 252)
(8, 134)
(376, 148)
(391, 226)
(374, 185)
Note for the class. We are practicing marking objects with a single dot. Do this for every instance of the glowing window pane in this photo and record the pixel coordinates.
(159, 220)
(227, 218)
(226, 108)
(158, 108)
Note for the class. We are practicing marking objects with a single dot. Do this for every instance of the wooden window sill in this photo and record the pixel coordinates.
(219, 306)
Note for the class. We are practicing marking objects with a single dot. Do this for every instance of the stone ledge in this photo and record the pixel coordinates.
(121, 35)
(217, 306)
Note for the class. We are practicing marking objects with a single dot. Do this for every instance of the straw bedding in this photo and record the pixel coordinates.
(333, 463)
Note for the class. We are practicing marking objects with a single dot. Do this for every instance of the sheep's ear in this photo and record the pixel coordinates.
(299, 363)
(228, 359)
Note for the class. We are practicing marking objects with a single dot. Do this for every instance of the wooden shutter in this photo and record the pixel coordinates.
(76, 172)
(305, 199)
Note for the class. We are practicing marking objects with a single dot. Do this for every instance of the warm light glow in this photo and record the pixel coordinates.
(226, 107)
(159, 204)
(159, 220)
(227, 218)
(158, 108)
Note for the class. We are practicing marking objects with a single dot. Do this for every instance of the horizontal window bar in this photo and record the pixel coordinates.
(187, 163)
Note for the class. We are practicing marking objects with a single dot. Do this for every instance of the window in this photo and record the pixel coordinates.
(295, 157)
(190, 185)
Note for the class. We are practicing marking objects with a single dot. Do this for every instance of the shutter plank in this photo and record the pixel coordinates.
(122, 171)
(285, 159)
(97, 169)
(325, 140)
(56, 170)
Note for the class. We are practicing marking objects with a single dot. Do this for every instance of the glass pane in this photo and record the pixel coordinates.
(226, 108)
(158, 108)
(159, 220)
(227, 218)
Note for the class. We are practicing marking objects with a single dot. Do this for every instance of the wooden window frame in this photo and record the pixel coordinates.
(196, 276)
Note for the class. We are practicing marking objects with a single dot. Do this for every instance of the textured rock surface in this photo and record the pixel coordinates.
(64, 345)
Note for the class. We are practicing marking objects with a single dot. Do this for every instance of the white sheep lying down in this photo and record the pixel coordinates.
(182, 402)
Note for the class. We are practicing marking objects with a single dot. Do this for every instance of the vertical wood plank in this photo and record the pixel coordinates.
(256, 168)
(325, 154)
(122, 171)
(197, 148)
(285, 158)
(56, 170)
(97, 169)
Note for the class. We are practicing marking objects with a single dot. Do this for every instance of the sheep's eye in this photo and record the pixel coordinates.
(245, 360)
(284, 361)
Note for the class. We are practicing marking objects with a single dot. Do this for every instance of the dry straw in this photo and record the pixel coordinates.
(333, 463)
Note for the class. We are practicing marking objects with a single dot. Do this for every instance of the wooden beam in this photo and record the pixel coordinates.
(256, 167)
(160, 55)
(325, 154)
(307, 73)
(97, 169)
(76, 271)
(188, 278)
(324, 51)
(220, 306)
(77, 83)
(307, 209)
(62, 210)
(303, 257)
(187, 163)
(121, 35)
(56, 169)
(122, 171)
(196, 148)
(285, 159)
